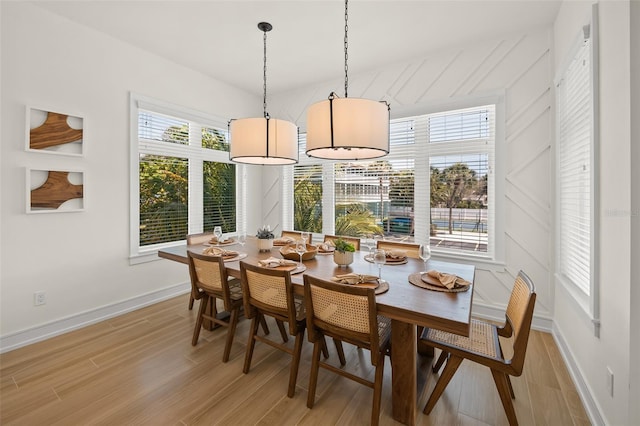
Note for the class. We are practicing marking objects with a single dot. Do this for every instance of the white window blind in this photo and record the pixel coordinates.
(575, 169)
(401, 195)
(182, 179)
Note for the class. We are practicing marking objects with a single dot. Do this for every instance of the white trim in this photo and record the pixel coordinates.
(586, 395)
(46, 331)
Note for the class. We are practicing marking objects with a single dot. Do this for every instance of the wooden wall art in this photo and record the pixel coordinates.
(54, 132)
(55, 191)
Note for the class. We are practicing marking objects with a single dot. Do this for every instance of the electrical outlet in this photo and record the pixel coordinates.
(610, 381)
(39, 298)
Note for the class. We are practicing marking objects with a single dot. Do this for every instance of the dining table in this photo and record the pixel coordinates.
(407, 305)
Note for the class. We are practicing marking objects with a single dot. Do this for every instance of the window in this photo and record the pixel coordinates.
(576, 174)
(184, 181)
(436, 184)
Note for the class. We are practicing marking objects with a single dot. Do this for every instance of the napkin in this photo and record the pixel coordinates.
(326, 247)
(396, 254)
(223, 240)
(284, 241)
(448, 280)
(354, 278)
(217, 251)
(274, 262)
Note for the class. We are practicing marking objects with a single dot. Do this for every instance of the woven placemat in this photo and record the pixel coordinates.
(416, 279)
(393, 262)
(382, 287)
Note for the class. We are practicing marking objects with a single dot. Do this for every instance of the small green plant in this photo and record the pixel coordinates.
(343, 246)
(265, 233)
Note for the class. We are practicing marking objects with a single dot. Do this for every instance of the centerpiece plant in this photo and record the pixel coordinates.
(265, 238)
(343, 254)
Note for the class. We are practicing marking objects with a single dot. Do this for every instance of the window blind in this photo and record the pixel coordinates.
(575, 168)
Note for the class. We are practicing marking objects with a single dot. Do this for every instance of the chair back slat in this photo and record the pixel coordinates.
(208, 274)
(199, 238)
(296, 235)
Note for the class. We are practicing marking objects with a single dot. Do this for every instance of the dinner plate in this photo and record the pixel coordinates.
(228, 242)
(388, 261)
(294, 269)
(239, 256)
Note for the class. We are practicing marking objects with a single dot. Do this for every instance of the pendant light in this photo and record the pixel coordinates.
(263, 140)
(347, 128)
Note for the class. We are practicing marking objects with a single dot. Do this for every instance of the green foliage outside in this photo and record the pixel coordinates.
(164, 191)
(307, 203)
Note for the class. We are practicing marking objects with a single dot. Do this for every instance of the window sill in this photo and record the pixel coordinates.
(581, 300)
(150, 254)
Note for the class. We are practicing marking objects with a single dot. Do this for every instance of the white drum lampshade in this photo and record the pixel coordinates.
(263, 141)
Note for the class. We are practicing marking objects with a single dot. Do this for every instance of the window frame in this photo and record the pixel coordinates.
(493, 261)
(194, 153)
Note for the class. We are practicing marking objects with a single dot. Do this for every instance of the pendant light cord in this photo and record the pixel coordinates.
(346, 47)
(264, 84)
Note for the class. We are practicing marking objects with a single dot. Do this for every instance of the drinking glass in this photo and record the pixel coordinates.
(242, 238)
(425, 254)
(379, 258)
(369, 243)
(217, 232)
(305, 236)
(301, 248)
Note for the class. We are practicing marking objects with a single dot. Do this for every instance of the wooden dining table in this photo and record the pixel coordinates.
(406, 304)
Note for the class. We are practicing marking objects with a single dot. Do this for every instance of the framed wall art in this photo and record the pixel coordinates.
(52, 191)
(54, 132)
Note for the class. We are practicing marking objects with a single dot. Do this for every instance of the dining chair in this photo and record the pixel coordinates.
(209, 281)
(348, 314)
(353, 240)
(483, 346)
(411, 249)
(270, 292)
(193, 239)
(296, 235)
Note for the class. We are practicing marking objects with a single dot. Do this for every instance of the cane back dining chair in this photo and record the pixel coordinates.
(483, 346)
(193, 239)
(269, 292)
(209, 281)
(296, 235)
(353, 240)
(411, 249)
(348, 314)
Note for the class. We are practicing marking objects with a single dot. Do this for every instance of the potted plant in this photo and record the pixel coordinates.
(265, 238)
(343, 254)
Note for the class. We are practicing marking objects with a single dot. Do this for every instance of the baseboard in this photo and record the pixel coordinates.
(586, 396)
(74, 322)
(496, 314)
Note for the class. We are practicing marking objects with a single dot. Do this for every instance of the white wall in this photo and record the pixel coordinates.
(81, 259)
(589, 355)
(520, 67)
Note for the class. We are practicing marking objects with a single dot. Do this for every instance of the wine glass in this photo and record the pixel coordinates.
(305, 236)
(425, 254)
(301, 248)
(369, 243)
(242, 238)
(217, 232)
(379, 258)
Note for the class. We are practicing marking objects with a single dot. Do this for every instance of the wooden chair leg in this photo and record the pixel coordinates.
(251, 344)
(191, 300)
(513, 395)
(340, 351)
(295, 363)
(441, 359)
(502, 384)
(283, 331)
(377, 391)
(265, 327)
(443, 381)
(196, 330)
(233, 321)
(325, 350)
(313, 374)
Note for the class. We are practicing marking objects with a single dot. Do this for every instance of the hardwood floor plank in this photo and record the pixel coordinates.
(140, 369)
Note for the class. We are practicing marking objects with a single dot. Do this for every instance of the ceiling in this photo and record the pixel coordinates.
(221, 38)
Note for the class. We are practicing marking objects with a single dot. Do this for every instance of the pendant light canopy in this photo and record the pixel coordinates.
(263, 140)
(347, 128)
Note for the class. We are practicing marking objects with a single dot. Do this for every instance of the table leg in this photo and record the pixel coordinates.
(403, 372)
(212, 310)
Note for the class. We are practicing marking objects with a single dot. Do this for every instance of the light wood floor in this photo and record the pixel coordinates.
(140, 368)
